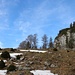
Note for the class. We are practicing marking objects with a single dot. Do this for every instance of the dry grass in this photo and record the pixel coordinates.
(63, 59)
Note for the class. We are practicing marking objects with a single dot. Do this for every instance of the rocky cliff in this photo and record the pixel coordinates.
(66, 38)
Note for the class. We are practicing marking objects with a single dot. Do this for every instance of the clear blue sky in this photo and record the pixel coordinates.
(19, 18)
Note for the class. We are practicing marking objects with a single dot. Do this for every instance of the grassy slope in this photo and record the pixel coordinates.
(63, 59)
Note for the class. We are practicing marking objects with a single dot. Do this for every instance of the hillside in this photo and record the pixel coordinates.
(61, 62)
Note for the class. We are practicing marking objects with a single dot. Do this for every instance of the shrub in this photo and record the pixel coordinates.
(55, 49)
(0, 49)
(5, 55)
(13, 50)
(68, 51)
(2, 64)
(18, 57)
(11, 68)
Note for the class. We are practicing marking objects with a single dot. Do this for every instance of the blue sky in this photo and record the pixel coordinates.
(19, 18)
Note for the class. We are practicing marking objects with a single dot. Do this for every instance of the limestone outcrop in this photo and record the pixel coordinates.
(66, 38)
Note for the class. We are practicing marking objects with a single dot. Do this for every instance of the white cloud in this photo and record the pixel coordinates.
(33, 20)
(5, 11)
(24, 25)
(3, 15)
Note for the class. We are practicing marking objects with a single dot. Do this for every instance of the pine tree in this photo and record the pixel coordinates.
(50, 43)
(71, 25)
(45, 41)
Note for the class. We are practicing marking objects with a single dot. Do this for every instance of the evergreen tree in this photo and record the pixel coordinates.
(71, 25)
(45, 41)
(50, 43)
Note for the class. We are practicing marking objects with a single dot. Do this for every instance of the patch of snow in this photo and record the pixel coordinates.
(0, 53)
(40, 51)
(13, 55)
(42, 72)
(5, 60)
(3, 72)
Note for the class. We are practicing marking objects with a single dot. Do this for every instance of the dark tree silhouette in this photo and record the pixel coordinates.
(50, 43)
(45, 41)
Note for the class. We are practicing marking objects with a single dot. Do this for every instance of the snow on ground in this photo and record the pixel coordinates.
(0, 53)
(4, 60)
(3, 72)
(40, 51)
(13, 55)
(42, 72)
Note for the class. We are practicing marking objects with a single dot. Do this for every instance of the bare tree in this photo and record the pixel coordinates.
(30, 40)
(35, 41)
(29, 43)
(45, 41)
(23, 45)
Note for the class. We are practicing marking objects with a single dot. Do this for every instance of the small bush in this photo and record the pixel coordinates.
(68, 51)
(0, 49)
(18, 57)
(5, 55)
(55, 49)
(11, 68)
(13, 50)
(2, 64)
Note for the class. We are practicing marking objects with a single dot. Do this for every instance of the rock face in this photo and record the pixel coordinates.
(66, 38)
